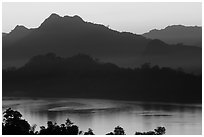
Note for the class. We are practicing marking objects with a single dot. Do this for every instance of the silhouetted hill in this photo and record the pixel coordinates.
(82, 76)
(15, 35)
(67, 36)
(71, 35)
(57, 24)
(188, 35)
(174, 56)
(157, 47)
(80, 62)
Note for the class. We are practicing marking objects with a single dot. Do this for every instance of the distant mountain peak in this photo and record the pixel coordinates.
(60, 22)
(181, 27)
(175, 26)
(16, 34)
(171, 27)
(19, 28)
(54, 15)
(174, 34)
(52, 18)
(75, 17)
(19, 31)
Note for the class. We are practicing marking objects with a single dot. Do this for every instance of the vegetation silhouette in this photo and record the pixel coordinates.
(157, 131)
(117, 131)
(89, 132)
(13, 124)
(64, 129)
(82, 76)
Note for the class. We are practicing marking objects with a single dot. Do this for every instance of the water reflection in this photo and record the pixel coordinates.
(103, 115)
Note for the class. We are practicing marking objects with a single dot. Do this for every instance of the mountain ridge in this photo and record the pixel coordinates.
(67, 36)
(174, 34)
(91, 35)
(16, 34)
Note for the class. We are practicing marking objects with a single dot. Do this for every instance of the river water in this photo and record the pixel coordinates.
(103, 115)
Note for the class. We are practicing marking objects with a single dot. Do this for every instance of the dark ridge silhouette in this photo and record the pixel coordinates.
(57, 23)
(14, 124)
(188, 35)
(82, 76)
(187, 57)
(67, 36)
(15, 35)
(157, 47)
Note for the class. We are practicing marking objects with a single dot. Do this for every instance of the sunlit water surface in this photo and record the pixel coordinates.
(103, 115)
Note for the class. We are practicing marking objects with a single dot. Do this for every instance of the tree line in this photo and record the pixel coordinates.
(83, 76)
(14, 124)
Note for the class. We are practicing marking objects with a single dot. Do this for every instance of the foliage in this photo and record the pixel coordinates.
(83, 75)
(157, 131)
(13, 124)
(64, 129)
(89, 132)
(117, 131)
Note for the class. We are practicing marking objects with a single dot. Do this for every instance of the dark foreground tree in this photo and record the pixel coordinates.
(117, 131)
(64, 129)
(89, 132)
(157, 131)
(13, 124)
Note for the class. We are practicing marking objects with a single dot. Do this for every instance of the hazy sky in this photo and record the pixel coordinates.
(133, 17)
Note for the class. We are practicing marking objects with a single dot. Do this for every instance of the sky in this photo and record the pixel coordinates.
(135, 17)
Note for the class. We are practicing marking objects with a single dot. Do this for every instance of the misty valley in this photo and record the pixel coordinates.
(82, 76)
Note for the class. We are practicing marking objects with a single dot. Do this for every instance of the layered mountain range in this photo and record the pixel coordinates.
(187, 35)
(67, 36)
